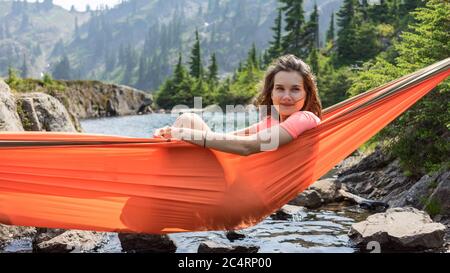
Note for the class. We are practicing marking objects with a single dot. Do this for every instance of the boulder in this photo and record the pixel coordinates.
(213, 247)
(233, 235)
(308, 198)
(42, 112)
(9, 119)
(288, 212)
(321, 192)
(328, 189)
(441, 195)
(399, 229)
(146, 243)
(64, 241)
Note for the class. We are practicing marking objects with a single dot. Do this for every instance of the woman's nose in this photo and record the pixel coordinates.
(286, 98)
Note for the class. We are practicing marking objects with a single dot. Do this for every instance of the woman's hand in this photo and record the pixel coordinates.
(165, 132)
(168, 132)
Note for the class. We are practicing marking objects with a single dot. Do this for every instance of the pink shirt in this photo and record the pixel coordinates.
(295, 124)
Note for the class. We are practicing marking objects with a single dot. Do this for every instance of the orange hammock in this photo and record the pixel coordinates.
(125, 184)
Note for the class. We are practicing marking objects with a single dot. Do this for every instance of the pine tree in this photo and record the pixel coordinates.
(330, 32)
(62, 70)
(310, 35)
(142, 71)
(25, 70)
(379, 13)
(213, 70)
(196, 67)
(294, 18)
(252, 60)
(313, 61)
(347, 33)
(275, 49)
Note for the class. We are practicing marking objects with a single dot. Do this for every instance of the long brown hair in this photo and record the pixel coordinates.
(290, 63)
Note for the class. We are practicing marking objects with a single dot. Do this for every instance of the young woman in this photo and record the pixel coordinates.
(289, 88)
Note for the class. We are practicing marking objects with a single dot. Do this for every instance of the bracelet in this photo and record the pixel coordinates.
(204, 140)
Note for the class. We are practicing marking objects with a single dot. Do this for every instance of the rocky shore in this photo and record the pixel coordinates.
(406, 213)
(42, 109)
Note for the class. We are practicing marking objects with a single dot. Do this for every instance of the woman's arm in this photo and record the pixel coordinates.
(268, 139)
(245, 131)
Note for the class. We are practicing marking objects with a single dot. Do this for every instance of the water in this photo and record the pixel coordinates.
(323, 230)
(144, 125)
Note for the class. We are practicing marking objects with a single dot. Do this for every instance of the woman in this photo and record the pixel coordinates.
(289, 89)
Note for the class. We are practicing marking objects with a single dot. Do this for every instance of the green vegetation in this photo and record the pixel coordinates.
(47, 84)
(432, 206)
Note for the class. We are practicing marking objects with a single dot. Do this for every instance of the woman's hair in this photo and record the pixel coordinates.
(290, 63)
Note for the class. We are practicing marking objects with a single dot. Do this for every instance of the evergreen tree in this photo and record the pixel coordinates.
(275, 49)
(330, 32)
(142, 71)
(346, 39)
(252, 60)
(419, 137)
(379, 13)
(25, 70)
(196, 67)
(313, 61)
(310, 35)
(110, 61)
(294, 18)
(213, 70)
(62, 70)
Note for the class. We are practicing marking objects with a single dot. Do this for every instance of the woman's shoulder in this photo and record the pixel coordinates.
(307, 115)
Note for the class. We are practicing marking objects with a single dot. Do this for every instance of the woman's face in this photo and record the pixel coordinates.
(288, 93)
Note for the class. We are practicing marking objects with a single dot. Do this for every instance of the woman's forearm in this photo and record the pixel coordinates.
(242, 145)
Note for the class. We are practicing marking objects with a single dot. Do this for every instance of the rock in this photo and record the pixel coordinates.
(233, 235)
(9, 119)
(213, 247)
(373, 161)
(399, 229)
(414, 195)
(308, 198)
(288, 212)
(63, 241)
(321, 192)
(8, 233)
(441, 195)
(92, 99)
(42, 112)
(146, 243)
(327, 189)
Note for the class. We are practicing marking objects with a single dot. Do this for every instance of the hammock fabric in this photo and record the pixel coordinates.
(125, 184)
